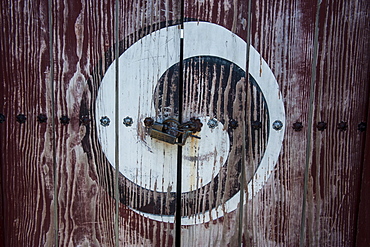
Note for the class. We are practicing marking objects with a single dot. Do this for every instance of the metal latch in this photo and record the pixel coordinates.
(171, 130)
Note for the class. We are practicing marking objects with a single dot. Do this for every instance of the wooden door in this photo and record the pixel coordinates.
(281, 89)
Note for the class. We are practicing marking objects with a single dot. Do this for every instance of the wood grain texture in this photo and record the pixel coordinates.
(136, 20)
(362, 236)
(342, 93)
(26, 159)
(83, 33)
(224, 231)
(283, 33)
(230, 14)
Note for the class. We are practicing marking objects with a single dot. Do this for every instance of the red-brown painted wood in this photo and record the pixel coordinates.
(26, 149)
(83, 32)
(138, 19)
(282, 32)
(363, 219)
(334, 168)
(222, 231)
(342, 87)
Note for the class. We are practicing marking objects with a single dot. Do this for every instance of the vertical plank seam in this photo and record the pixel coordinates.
(242, 178)
(52, 88)
(116, 174)
(309, 124)
(179, 149)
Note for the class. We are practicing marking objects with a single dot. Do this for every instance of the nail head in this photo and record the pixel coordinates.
(148, 121)
(233, 123)
(212, 123)
(277, 125)
(21, 118)
(342, 126)
(361, 126)
(85, 120)
(42, 118)
(64, 120)
(297, 126)
(127, 121)
(105, 121)
(2, 118)
(321, 126)
(256, 125)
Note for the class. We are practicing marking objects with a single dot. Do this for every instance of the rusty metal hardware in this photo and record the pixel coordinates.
(171, 130)
(148, 121)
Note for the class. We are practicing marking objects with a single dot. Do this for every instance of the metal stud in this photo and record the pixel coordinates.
(256, 125)
(297, 126)
(361, 126)
(196, 124)
(105, 121)
(2, 118)
(21, 118)
(127, 121)
(42, 118)
(277, 125)
(212, 123)
(64, 120)
(85, 120)
(233, 124)
(321, 126)
(148, 121)
(342, 126)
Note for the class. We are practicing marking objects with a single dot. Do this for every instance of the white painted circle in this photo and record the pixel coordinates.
(145, 61)
(148, 162)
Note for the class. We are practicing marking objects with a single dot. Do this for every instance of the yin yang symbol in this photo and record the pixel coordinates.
(216, 87)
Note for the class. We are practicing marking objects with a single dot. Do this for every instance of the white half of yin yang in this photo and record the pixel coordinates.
(151, 163)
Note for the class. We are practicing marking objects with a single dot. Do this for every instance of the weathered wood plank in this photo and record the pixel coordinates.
(215, 87)
(149, 46)
(335, 161)
(283, 33)
(83, 37)
(2, 226)
(342, 93)
(26, 159)
(363, 223)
